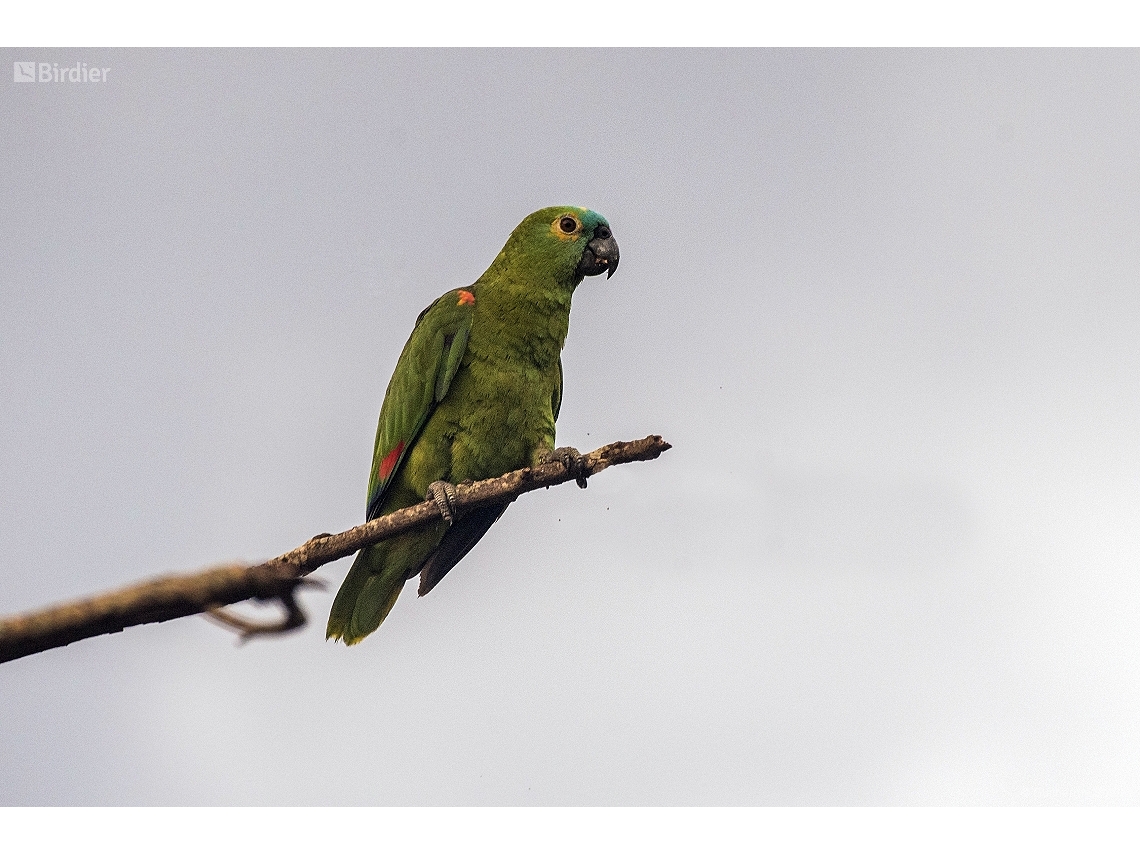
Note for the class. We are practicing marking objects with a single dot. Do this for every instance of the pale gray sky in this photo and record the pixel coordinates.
(884, 304)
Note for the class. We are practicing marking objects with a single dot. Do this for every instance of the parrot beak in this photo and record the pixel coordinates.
(601, 254)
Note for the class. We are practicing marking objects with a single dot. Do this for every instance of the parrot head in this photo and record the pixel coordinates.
(569, 242)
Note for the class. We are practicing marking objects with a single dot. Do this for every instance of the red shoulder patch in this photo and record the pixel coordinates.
(389, 461)
(466, 298)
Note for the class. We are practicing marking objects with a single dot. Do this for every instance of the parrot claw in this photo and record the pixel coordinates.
(573, 461)
(443, 494)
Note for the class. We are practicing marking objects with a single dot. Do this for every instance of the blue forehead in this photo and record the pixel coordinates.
(592, 219)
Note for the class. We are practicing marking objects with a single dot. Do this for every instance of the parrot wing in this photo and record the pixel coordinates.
(556, 397)
(422, 377)
(464, 533)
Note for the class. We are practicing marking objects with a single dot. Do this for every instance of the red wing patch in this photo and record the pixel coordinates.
(466, 298)
(389, 461)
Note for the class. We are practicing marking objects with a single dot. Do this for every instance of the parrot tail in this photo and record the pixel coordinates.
(367, 595)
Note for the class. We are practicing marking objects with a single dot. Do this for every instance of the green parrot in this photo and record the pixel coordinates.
(475, 394)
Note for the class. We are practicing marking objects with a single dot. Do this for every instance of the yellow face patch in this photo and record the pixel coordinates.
(566, 226)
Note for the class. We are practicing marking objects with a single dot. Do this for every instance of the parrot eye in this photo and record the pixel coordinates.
(568, 225)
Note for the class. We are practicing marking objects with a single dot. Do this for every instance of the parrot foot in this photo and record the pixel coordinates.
(573, 461)
(443, 494)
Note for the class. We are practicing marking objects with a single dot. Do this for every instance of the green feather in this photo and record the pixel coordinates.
(475, 393)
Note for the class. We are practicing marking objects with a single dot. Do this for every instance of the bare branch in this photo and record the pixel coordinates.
(169, 597)
(294, 617)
